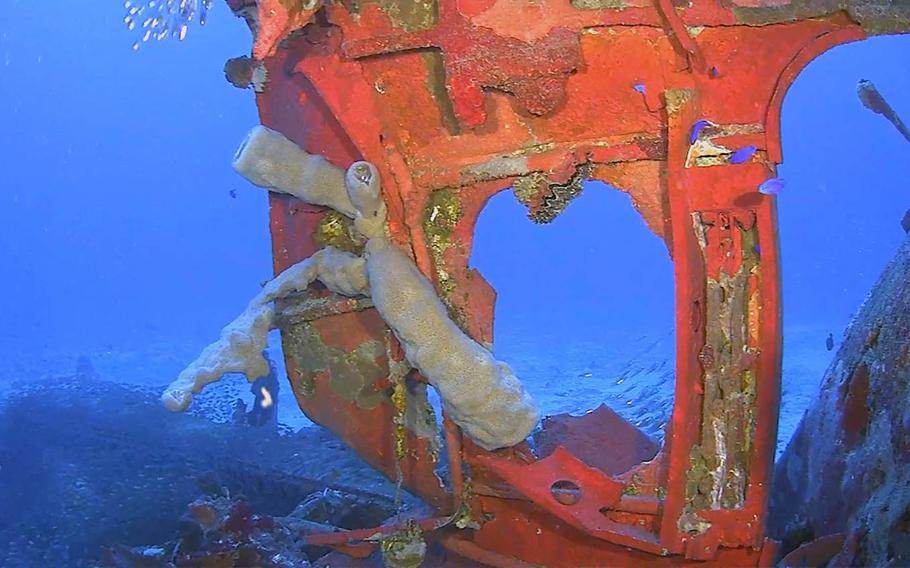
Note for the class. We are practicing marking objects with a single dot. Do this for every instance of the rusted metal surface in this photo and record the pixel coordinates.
(455, 100)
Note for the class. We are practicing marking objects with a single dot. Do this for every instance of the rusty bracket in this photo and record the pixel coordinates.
(572, 491)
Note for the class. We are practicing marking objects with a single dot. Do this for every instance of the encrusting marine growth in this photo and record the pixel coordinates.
(480, 394)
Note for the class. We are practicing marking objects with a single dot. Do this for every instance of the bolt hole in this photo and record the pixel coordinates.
(566, 492)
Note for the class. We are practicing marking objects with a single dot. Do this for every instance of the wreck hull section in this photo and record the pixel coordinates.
(458, 103)
(842, 482)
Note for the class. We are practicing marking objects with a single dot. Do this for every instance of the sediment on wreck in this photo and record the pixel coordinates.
(845, 475)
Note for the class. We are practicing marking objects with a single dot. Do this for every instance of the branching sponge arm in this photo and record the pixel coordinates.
(239, 349)
(481, 395)
(268, 159)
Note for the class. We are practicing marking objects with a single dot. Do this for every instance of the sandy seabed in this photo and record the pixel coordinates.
(566, 371)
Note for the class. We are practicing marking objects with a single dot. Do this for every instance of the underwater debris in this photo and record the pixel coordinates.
(406, 548)
(244, 72)
(230, 533)
(161, 19)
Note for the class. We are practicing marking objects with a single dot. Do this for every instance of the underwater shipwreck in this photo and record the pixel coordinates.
(386, 126)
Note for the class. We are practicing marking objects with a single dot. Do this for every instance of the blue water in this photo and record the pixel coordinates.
(126, 237)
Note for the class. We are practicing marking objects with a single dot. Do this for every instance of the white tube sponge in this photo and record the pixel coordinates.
(268, 159)
(480, 394)
(239, 349)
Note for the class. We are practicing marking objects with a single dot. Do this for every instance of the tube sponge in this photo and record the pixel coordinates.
(362, 182)
(240, 347)
(480, 394)
(268, 159)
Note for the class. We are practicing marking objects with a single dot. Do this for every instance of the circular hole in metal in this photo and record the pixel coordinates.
(566, 492)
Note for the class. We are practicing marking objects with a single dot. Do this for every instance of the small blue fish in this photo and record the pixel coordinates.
(640, 87)
(742, 155)
(696, 130)
(771, 186)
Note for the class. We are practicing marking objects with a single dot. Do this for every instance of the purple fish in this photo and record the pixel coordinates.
(640, 87)
(771, 186)
(696, 130)
(742, 155)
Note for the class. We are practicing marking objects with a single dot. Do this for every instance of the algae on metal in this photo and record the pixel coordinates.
(351, 374)
(405, 548)
(399, 399)
(719, 463)
(876, 17)
(598, 4)
(436, 84)
(310, 308)
(634, 486)
(676, 99)
(442, 214)
(337, 230)
(527, 186)
(409, 15)
(464, 517)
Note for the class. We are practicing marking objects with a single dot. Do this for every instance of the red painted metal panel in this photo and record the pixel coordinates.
(473, 95)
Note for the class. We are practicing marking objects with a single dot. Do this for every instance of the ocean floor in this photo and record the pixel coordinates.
(88, 454)
(634, 373)
(565, 371)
